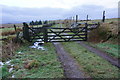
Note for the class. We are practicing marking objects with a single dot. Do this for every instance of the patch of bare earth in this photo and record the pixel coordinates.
(71, 67)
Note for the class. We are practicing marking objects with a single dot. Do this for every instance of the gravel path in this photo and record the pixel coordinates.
(71, 68)
(102, 54)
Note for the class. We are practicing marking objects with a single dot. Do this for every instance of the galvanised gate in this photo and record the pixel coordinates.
(52, 34)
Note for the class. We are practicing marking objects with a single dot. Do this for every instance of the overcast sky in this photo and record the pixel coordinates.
(27, 10)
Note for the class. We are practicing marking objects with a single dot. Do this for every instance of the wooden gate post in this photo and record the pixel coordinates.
(45, 34)
(26, 31)
(86, 31)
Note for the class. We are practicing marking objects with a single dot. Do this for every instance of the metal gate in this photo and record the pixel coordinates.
(51, 34)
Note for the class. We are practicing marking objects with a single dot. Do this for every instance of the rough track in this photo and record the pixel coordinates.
(71, 68)
(102, 54)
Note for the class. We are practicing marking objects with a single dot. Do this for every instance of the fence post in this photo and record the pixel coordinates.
(76, 18)
(103, 20)
(26, 31)
(45, 34)
(87, 19)
(86, 31)
(15, 27)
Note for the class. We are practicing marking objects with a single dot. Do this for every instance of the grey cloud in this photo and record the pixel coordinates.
(94, 12)
(17, 14)
(32, 11)
(112, 13)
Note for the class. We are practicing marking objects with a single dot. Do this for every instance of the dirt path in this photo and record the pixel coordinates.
(104, 55)
(71, 68)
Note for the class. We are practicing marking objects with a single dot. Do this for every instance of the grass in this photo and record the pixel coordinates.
(106, 20)
(94, 65)
(106, 37)
(8, 36)
(4, 72)
(37, 26)
(4, 32)
(112, 49)
(12, 25)
(43, 64)
(3, 37)
(7, 29)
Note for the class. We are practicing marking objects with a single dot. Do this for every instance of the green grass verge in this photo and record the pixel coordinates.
(111, 49)
(94, 65)
(44, 64)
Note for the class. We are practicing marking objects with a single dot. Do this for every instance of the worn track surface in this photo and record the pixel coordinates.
(71, 68)
(102, 54)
